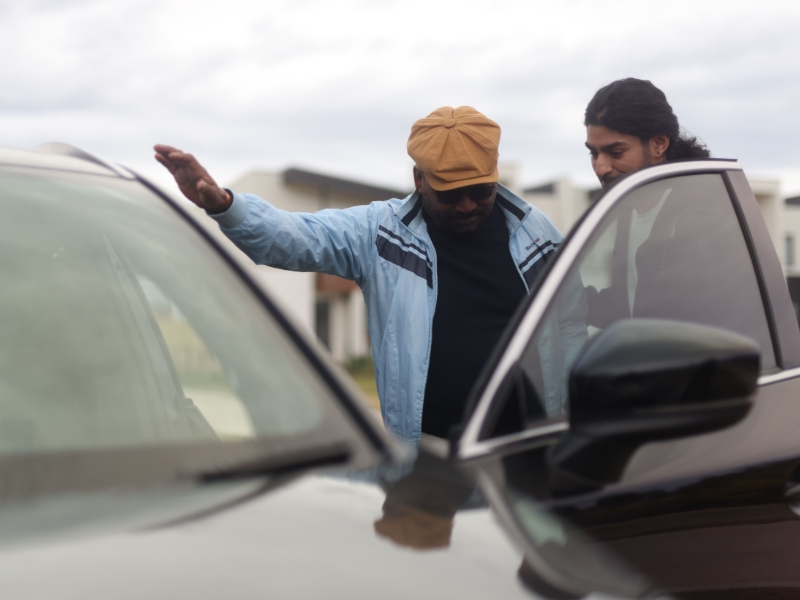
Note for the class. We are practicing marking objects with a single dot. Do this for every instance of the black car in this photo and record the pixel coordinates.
(674, 446)
(164, 431)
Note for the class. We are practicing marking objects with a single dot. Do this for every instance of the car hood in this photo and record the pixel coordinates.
(314, 537)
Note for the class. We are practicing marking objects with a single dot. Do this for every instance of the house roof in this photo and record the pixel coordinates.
(362, 191)
(547, 188)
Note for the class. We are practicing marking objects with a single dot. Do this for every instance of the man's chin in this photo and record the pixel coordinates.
(468, 225)
(460, 225)
(605, 184)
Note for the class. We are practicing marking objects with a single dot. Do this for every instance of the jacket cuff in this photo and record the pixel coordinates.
(236, 213)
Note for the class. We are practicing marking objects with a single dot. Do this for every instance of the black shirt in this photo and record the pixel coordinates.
(479, 290)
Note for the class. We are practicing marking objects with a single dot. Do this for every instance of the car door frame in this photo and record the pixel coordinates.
(776, 301)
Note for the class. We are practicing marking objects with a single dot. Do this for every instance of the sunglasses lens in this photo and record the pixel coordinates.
(476, 193)
(449, 197)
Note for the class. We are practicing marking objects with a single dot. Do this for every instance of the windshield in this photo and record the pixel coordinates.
(120, 326)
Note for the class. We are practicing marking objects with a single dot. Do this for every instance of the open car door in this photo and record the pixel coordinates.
(648, 394)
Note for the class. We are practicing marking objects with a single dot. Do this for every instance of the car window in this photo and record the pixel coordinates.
(121, 327)
(672, 249)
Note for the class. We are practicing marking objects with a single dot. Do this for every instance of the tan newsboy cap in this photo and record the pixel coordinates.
(455, 147)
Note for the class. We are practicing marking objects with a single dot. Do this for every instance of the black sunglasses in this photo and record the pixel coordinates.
(476, 193)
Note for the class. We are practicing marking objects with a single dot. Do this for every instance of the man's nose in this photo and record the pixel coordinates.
(466, 204)
(602, 166)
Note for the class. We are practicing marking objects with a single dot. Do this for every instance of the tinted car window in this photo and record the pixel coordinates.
(120, 326)
(672, 249)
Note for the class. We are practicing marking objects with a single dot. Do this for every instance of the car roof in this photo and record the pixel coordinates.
(61, 157)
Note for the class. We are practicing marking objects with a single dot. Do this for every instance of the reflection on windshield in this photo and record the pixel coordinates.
(200, 373)
(120, 327)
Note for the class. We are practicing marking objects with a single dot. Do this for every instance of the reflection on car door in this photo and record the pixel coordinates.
(708, 512)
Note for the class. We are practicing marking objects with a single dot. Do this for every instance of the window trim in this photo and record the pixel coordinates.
(778, 377)
(787, 335)
(762, 284)
(469, 446)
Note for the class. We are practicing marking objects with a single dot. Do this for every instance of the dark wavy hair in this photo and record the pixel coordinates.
(637, 107)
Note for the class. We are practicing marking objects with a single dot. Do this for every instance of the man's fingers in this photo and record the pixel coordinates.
(164, 149)
(176, 161)
(172, 154)
(185, 160)
(167, 163)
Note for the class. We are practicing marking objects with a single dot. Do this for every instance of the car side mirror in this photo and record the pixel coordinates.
(642, 380)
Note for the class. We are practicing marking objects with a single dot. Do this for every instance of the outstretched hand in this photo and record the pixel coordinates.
(193, 180)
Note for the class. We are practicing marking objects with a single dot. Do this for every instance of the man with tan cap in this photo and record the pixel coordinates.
(442, 270)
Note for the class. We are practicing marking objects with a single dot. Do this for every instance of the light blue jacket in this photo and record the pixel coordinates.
(385, 248)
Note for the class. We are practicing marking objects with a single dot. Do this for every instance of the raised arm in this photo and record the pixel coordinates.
(339, 241)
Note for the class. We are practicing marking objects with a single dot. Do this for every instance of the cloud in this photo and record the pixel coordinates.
(336, 85)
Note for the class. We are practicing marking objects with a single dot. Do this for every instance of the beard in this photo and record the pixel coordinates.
(608, 179)
(462, 223)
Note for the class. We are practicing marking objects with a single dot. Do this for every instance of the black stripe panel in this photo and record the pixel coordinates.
(402, 242)
(412, 213)
(510, 207)
(536, 268)
(404, 259)
(546, 247)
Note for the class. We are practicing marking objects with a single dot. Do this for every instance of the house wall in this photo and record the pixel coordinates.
(564, 205)
(294, 293)
(773, 209)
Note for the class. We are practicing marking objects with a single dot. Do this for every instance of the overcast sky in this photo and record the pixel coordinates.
(334, 85)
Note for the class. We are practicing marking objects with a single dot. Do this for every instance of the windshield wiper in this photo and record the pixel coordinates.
(279, 464)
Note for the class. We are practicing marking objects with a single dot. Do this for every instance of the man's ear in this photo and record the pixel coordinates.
(418, 179)
(658, 146)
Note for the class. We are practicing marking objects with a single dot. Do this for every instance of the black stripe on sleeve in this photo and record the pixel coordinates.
(402, 242)
(409, 261)
(543, 249)
(537, 267)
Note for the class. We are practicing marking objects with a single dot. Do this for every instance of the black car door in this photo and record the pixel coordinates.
(698, 514)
